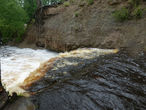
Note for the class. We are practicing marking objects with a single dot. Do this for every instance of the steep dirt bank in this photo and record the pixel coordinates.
(82, 25)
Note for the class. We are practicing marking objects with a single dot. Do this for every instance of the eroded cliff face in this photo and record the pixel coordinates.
(83, 25)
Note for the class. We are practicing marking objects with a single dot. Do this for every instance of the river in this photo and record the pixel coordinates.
(109, 82)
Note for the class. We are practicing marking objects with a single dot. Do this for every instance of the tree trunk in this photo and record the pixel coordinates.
(38, 16)
(39, 4)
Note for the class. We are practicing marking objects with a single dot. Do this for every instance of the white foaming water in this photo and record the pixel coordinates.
(17, 64)
(22, 67)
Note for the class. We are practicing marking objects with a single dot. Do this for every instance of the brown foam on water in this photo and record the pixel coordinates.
(80, 53)
(16, 83)
(38, 73)
(17, 64)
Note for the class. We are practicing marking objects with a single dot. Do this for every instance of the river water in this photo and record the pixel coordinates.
(17, 64)
(111, 82)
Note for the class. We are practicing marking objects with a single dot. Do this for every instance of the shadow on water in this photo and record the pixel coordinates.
(113, 82)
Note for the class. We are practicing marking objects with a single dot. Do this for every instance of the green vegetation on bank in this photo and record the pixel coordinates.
(30, 6)
(122, 14)
(66, 4)
(15, 15)
(12, 20)
(90, 2)
(133, 10)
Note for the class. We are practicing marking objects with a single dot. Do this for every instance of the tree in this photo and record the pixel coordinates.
(15, 13)
(12, 20)
(30, 7)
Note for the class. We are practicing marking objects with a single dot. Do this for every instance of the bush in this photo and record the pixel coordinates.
(122, 14)
(76, 14)
(137, 13)
(66, 4)
(30, 7)
(12, 20)
(132, 11)
(134, 3)
(90, 2)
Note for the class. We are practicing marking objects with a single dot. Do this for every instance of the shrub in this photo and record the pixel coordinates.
(90, 2)
(30, 7)
(122, 14)
(72, 1)
(134, 3)
(132, 11)
(66, 4)
(18, 39)
(76, 14)
(12, 20)
(137, 13)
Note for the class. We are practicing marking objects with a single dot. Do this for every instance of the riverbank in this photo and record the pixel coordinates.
(81, 25)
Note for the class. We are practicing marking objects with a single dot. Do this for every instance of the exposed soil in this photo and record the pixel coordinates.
(82, 25)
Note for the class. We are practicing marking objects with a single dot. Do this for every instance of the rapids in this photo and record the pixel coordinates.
(109, 82)
(17, 64)
(20, 68)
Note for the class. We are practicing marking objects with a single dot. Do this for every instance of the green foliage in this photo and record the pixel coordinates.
(66, 4)
(90, 2)
(122, 14)
(12, 20)
(137, 13)
(134, 3)
(76, 14)
(14, 14)
(30, 7)
(72, 1)
(133, 11)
